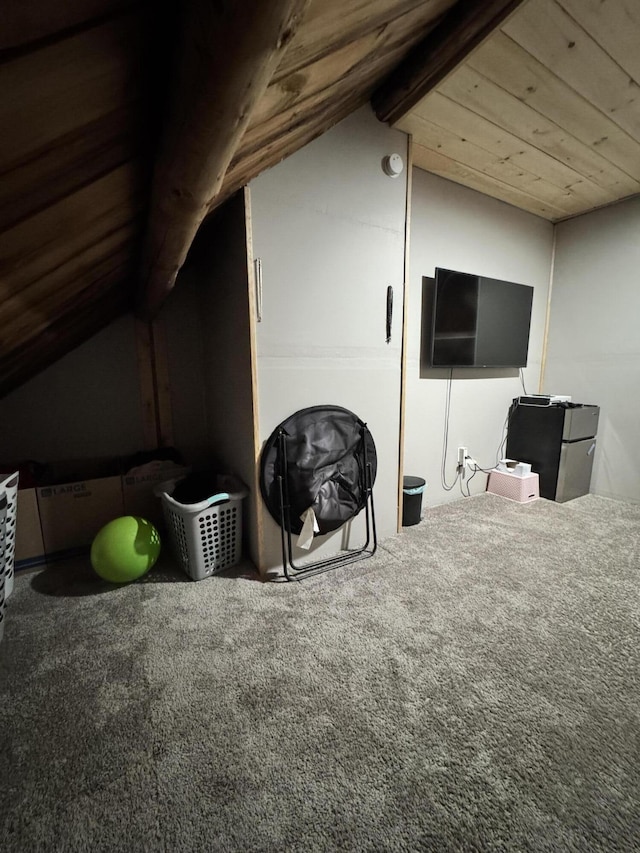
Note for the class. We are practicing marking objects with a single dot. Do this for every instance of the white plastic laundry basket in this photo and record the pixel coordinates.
(3, 518)
(207, 536)
(9, 487)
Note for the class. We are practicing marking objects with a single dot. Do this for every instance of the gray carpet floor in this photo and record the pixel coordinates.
(473, 687)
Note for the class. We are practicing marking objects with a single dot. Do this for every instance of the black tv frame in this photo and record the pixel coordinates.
(476, 321)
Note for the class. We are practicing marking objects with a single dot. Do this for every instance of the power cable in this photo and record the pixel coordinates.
(522, 380)
(445, 439)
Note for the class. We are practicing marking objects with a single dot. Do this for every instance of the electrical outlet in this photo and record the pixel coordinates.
(462, 456)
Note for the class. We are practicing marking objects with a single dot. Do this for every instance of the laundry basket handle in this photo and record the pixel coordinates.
(221, 497)
(235, 490)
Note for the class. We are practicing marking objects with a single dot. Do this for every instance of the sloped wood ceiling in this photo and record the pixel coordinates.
(81, 87)
(331, 56)
(545, 115)
(83, 97)
(125, 122)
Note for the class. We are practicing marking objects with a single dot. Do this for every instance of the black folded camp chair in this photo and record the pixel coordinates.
(325, 458)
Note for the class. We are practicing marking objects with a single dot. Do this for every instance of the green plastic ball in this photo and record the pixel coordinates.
(125, 549)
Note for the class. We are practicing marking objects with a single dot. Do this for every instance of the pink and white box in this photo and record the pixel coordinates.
(522, 489)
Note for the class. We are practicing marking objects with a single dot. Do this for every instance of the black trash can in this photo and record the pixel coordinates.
(412, 489)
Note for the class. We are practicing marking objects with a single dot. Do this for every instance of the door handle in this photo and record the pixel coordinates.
(389, 312)
(257, 266)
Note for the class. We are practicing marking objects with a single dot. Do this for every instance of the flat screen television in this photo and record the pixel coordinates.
(478, 321)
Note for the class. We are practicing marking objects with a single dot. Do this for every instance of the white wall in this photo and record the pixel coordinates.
(458, 228)
(328, 225)
(594, 336)
(85, 405)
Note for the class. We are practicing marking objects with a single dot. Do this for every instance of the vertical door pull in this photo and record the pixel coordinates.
(258, 275)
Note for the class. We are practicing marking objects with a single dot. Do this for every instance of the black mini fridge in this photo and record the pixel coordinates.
(559, 442)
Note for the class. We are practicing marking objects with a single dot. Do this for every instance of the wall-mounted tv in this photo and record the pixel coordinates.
(478, 321)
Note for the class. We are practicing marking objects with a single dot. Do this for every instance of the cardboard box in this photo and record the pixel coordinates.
(73, 508)
(74, 500)
(139, 485)
(29, 541)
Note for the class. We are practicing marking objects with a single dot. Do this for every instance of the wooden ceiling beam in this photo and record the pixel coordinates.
(460, 31)
(228, 54)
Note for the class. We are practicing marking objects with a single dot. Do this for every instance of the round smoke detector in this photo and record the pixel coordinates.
(392, 165)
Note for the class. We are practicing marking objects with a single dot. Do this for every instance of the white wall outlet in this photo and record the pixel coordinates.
(462, 455)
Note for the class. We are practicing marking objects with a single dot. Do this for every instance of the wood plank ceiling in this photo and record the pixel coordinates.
(119, 136)
(545, 114)
(82, 86)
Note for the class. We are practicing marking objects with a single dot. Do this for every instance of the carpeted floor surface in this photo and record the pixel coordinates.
(473, 687)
